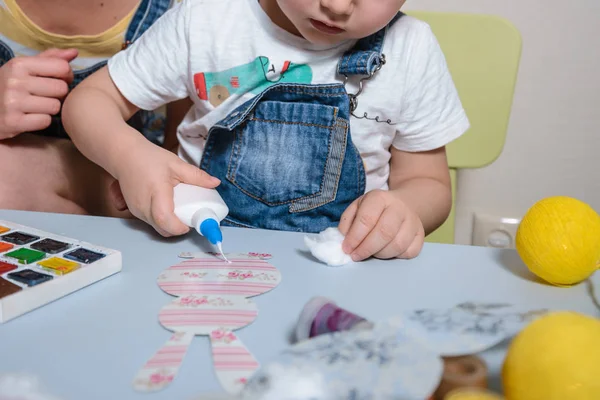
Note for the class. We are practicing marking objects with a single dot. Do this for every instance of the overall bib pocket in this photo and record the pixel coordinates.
(285, 159)
(285, 152)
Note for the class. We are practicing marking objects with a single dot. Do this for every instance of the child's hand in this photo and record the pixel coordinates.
(380, 224)
(31, 90)
(145, 183)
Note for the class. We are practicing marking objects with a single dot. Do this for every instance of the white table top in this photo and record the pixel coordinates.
(90, 344)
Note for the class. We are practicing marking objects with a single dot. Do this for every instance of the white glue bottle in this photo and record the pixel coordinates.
(202, 209)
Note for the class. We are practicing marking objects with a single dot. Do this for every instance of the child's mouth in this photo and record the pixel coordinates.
(328, 29)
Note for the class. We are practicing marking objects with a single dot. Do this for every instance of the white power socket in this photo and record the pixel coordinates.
(492, 231)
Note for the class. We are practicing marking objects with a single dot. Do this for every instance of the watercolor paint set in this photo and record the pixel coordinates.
(38, 267)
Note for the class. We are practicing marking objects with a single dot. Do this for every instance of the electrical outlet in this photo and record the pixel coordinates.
(493, 231)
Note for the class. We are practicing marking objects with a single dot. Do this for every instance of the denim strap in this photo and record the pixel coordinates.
(366, 57)
(146, 15)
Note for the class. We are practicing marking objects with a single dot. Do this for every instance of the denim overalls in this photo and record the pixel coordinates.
(285, 159)
(147, 13)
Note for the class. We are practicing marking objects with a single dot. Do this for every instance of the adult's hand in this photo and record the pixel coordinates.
(32, 90)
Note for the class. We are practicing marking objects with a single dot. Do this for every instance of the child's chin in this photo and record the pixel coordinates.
(324, 40)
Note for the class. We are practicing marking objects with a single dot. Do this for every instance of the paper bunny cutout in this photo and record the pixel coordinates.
(213, 300)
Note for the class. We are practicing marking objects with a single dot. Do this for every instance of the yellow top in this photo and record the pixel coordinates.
(26, 38)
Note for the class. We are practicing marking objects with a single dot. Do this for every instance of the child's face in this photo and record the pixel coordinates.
(334, 21)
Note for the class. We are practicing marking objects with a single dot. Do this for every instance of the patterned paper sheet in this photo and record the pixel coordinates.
(213, 300)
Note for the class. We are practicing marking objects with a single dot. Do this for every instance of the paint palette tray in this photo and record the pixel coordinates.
(38, 267)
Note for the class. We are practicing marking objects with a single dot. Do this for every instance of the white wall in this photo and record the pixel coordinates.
(554, 133)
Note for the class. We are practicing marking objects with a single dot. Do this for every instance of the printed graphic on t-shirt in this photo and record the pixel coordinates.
(253, 77)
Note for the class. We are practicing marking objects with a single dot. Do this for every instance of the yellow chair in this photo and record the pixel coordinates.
(483, 54)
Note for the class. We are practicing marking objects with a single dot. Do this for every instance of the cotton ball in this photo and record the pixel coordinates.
(288, 382)
(327, 247)
(21, 387)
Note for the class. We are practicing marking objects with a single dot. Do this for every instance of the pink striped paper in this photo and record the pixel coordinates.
(234, 364)
(245, 276)
(201, 315)
(213, 300)
(161, 369)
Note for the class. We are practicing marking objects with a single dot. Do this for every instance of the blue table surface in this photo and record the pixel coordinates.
(90, 344)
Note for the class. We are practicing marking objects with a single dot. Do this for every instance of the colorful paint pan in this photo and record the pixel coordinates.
(26, 256)
(7, 288)
(29, 277)
(58, 266)
(50, 246)
(5, 247)
(84, 255)
(19, 238)
(6, 267)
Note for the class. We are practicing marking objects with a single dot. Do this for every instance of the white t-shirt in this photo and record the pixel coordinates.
(220, 42)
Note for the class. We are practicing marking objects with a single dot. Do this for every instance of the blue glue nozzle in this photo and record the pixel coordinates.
(211, 230)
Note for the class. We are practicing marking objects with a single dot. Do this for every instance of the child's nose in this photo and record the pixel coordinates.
(339, 7)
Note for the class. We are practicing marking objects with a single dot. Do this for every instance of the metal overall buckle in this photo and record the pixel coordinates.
(354, 97)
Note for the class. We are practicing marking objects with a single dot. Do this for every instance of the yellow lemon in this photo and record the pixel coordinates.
(472, 394)
(559, 240)
(556, 357)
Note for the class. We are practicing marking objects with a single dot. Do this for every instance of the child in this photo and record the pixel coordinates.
(307, 114)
